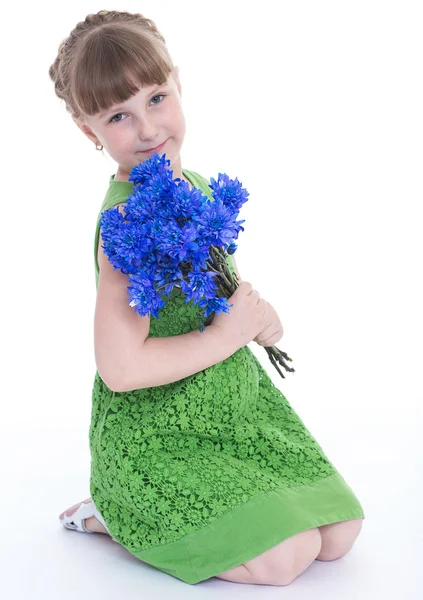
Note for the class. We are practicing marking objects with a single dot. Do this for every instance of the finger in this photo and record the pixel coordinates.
(269, 339)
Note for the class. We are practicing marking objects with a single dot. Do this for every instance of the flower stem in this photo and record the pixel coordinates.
(275, 355)
(222, 269)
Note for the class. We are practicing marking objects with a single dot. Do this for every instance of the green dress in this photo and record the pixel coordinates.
(200, 475)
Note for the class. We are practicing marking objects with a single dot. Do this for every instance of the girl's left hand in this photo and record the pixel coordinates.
(273, 331)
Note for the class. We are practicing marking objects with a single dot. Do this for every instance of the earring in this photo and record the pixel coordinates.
(97, 148)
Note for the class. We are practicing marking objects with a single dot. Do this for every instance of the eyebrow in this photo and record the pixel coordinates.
(120, 106)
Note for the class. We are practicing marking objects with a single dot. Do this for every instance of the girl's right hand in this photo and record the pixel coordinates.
(246, 318)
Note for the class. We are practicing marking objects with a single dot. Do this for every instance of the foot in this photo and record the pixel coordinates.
(90, 523)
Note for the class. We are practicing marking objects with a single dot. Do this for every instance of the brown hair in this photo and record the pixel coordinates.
(106, 58)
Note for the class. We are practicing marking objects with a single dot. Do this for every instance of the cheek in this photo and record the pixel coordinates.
(176, 117)
(179, 124)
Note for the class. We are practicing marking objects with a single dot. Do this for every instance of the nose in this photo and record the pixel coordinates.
(147, 132)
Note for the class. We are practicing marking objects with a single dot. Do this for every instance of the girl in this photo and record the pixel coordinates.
(199, 464)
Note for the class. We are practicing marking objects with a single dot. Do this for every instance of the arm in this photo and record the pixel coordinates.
(164, 360)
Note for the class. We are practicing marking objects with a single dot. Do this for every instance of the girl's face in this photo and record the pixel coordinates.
(151, 117)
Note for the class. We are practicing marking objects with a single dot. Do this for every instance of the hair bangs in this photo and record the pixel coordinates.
(114, 63)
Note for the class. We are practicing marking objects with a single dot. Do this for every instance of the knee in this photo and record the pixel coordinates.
(338, 539)
(267, 575)
(328, 553)
(284, 568)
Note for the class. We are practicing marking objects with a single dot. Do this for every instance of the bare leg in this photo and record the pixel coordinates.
(239, 574)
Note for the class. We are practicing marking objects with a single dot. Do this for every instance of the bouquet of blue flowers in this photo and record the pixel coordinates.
(173, 236)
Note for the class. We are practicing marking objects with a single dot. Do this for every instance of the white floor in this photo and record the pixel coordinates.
(42, 559)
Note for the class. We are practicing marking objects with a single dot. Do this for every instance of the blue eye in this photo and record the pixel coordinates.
(118, 114)
(158, 96)
(112, 121)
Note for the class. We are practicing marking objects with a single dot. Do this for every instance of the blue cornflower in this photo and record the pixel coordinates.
(165, 236)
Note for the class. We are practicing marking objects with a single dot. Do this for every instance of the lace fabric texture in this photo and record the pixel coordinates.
(170, 460)
(173, 458)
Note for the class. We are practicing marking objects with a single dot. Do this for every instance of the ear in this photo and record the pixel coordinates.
(85, 129)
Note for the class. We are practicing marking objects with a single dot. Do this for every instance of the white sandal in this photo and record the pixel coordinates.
(74, 517)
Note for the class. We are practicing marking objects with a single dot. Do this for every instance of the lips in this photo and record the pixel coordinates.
(156, 148)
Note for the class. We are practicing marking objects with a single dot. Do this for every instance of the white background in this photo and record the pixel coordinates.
(317, 108)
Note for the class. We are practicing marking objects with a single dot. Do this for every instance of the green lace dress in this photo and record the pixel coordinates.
(200, 475)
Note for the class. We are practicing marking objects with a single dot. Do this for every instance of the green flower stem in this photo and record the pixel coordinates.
(227, 271)
(275, 355)
(220, 261)
(223, 284)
